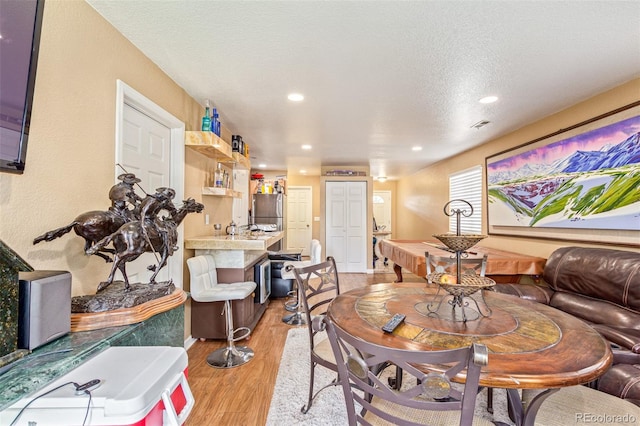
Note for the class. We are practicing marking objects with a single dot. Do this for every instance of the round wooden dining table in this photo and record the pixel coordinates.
(531, 345)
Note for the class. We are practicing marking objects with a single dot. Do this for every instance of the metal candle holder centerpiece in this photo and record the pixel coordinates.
(459, 292)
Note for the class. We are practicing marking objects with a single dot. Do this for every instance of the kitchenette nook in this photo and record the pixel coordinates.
(238, 258)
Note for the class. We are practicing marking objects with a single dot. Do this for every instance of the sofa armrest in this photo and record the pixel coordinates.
(620, 356)
(536, 293)
(627, 338)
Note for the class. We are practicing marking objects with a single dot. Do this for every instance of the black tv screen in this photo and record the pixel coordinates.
(20, 26)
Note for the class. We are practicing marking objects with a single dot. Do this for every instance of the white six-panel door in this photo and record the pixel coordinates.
(346, 223)
(299, 217)
(150, 143)
(146, 153)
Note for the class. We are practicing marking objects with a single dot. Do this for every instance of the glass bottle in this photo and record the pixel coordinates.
(218, 176)
(206, 120)
(215, 123)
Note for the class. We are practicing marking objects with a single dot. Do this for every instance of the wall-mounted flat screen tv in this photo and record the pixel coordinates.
(20, 26)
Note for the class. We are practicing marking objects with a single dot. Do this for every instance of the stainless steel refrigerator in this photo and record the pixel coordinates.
(271, 209)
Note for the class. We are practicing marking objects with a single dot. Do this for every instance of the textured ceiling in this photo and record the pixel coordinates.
(382, 77)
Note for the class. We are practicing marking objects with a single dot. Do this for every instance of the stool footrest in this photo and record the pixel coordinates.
(291, 306)
(246, 330)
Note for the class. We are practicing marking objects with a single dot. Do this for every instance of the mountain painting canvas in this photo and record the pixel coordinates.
(587, 181)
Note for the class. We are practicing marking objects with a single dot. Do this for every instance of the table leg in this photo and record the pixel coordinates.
(526, 417)
(398, 270)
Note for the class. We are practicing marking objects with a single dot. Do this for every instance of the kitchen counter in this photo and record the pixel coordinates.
(238, 251)
(237, 242)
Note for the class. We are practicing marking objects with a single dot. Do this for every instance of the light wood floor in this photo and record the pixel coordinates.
(241, 395)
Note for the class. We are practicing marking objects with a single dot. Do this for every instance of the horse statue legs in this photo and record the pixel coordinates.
(92, 226)
(117, 265)
(130, 241)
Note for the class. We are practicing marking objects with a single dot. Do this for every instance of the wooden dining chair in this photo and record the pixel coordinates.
(317, 285)
(432, 398)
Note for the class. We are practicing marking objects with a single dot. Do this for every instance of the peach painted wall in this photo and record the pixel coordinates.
(422, 196)
(70, 158)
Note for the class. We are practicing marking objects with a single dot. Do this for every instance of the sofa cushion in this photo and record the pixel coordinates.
(622, 380)
(605, 274)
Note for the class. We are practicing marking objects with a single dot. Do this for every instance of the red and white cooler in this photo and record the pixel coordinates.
(139, 385)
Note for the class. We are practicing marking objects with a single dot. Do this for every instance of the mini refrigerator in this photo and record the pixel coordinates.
(139, 385)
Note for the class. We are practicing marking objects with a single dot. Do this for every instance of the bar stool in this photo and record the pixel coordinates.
(297, 318)
(206, 288)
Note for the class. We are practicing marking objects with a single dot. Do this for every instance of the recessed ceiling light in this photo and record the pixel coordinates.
(303, 171)
(416, 148)
(295, 97)
(306, 147)
(488, 99)
(262, 165)
(382, 178)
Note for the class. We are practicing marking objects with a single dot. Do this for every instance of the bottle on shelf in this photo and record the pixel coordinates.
(218, 176)
(225, 180)
(213, 120)
(215, 124)
(206, 120)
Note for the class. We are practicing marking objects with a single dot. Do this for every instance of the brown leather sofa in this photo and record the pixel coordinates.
(602, 287)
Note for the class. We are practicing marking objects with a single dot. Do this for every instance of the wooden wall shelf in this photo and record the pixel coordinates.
(209, 145)
(221, 192)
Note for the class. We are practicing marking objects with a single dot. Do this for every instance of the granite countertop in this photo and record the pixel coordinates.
(237, 242)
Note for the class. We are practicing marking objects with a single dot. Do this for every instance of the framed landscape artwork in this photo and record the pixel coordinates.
(581, 183)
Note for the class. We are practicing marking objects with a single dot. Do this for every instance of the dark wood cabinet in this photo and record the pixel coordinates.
(207, 319)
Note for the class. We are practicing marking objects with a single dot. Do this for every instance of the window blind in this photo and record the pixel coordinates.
(466, 185)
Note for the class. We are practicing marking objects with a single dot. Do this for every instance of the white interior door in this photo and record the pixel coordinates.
(299, 218)
(150, 144)
(382, 209)
(346, 222)
(146, 153)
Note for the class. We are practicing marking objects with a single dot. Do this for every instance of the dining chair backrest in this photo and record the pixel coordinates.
(448, 264)
(317, 286)
(423, 397)
(320, 284)
(202, 273)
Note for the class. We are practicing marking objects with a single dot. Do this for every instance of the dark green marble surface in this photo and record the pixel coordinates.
(53, 360)
(10, 265)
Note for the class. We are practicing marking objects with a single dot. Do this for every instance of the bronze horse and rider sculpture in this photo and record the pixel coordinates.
(97, 224)
(132, 226)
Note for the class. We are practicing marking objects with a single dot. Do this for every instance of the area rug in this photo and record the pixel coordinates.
(292, 386)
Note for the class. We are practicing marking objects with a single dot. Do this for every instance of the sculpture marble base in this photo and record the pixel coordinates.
(125, 316)
(115, 297)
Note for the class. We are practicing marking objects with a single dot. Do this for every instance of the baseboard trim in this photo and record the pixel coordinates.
(188, 342)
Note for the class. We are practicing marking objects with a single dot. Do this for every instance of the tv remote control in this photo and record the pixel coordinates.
(393, 323)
